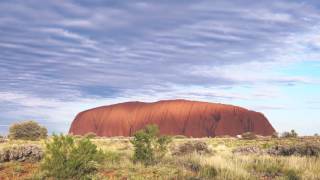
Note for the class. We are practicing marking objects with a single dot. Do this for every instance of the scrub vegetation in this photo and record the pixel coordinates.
(150, 156)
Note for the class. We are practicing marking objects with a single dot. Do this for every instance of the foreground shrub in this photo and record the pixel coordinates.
(291, 134)
(67, 158)
(28, 130)
(149, 147)
(248, 136)
(28, 153)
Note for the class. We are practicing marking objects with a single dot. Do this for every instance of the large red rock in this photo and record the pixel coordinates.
(174, 117)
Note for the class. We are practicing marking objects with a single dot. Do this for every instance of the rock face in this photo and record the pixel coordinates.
(174, 117)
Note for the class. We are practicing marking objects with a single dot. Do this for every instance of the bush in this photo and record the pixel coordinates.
(248, 135)
(68, 158)
(28, 130)
(149, 146)
(291, 134)
(191, 147)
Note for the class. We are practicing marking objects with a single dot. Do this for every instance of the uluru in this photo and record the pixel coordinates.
(173, 117)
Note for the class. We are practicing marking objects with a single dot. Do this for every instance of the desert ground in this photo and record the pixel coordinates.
(193, 158)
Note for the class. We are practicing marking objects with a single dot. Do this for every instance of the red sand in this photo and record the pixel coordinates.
(174, 117)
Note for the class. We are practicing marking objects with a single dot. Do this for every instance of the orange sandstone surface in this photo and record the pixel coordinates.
(173, 117)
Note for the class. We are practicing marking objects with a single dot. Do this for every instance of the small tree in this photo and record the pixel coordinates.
(291, 134)
(67, 158)
(149, 146)
(28, 130)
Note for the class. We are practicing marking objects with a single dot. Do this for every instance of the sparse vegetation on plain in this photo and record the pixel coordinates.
(186, 158)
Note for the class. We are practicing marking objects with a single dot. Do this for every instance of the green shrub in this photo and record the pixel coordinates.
(149, 147)
(68, 158)
(28, 130)
(248, 135)
(291, 134)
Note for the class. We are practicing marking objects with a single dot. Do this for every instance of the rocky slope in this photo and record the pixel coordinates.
(174, 117)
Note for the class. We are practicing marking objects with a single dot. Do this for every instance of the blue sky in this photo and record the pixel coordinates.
(58, 58)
